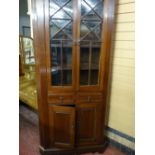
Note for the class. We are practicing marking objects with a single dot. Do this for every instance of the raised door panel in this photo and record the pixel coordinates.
(88, 124)
(62, 122)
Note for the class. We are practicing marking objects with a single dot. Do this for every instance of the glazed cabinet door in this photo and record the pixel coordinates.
(90, 47)
(61, 126)
(61, 50)
(89, 124)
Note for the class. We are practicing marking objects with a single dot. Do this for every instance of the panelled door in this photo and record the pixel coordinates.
(88, 120)
(62, 126)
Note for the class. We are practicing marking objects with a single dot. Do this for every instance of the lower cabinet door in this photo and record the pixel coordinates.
(61, 126)
(89, 125)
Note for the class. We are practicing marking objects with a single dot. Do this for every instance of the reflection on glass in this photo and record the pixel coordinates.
(60, 2)
(68, 8)
(61, 15)
(91, 16)
(91, 19)
(99, 9)
(84, 30)
(56, 77)
(92, 3)
(28, 50)
(84, 8)
(61, 64)
(55, 57)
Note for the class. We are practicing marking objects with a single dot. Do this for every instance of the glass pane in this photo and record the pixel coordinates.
(84, 30)
(61, 64)
(53, 30)
(61, 2)
(91, 19)
(55, 57)
(99, 9)
(94, 77)
(67, 58)
(67, 77)
(60, 23)
(84, 58)
(95, 58)
(91, 24)
(92, 3)
(98, 31)
(83, 77)
(61, 15)
(56, 78)
(89, 63)
(68, 30)
(90, 36)
(68, 8)
(91, 16)
(84, 8)
(61, 36)
(53, 7)
(84, 65)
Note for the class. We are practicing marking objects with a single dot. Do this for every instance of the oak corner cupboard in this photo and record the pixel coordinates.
(72, 41)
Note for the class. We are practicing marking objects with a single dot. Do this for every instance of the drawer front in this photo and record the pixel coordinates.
(88, 98)
(61, 99)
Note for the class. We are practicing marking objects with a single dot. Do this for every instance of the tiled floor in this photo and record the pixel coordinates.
(29, 135)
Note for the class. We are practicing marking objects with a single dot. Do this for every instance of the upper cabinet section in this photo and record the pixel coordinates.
(75, 38)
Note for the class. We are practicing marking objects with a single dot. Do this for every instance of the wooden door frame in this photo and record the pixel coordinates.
(59, 89)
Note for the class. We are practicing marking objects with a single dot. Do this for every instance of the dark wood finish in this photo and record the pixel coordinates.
(62, 126)
(83, 105)
(88, 124)
(76, 150)
(38, 14)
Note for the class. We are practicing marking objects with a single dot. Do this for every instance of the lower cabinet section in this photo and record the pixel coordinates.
(75, 125)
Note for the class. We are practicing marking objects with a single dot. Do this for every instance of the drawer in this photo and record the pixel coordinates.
(61, 99)
(88, 98)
